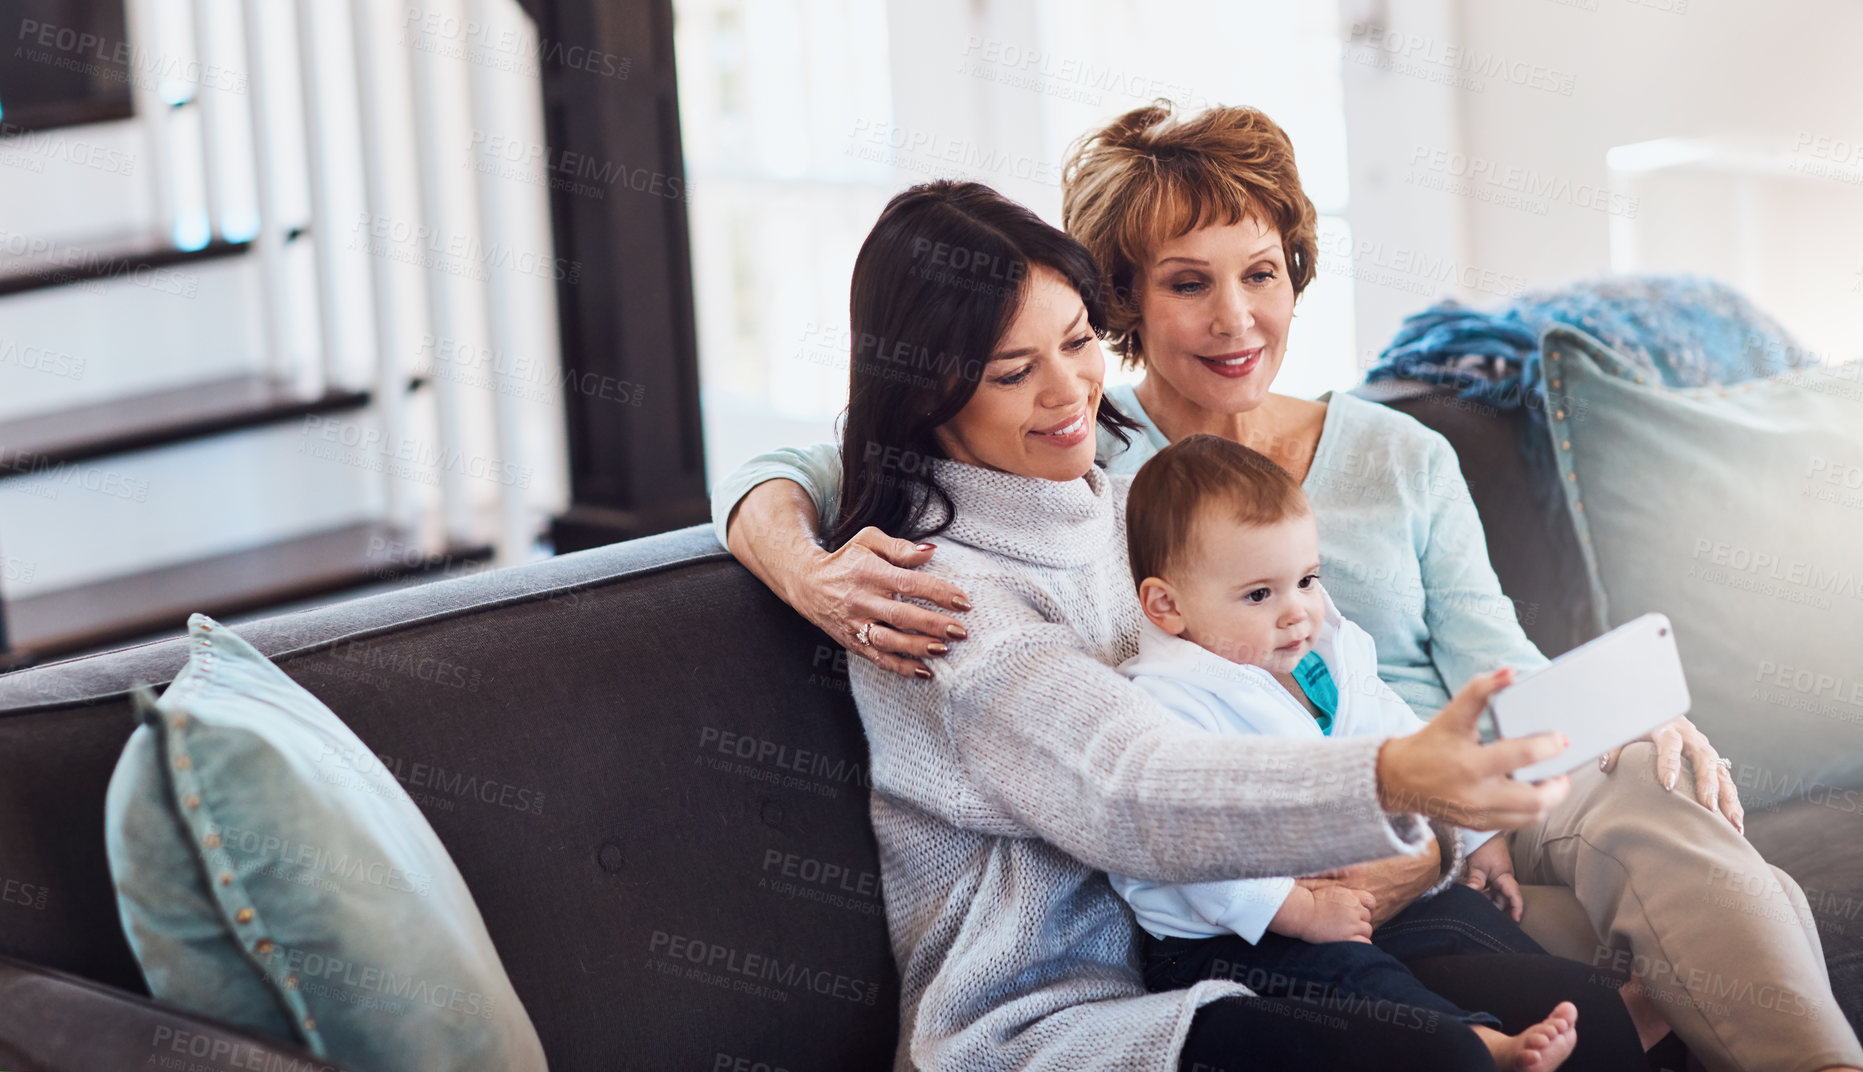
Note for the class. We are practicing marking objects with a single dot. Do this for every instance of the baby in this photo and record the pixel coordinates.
(1241, 638)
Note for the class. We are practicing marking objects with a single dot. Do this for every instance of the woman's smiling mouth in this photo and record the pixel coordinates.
(1233, 365)
(1068, 433)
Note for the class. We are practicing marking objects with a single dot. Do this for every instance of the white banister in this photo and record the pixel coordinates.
(207, 100)
(442, 311)
(515, 530)
(271, 236)
(391, 385)
(145, 42)
(323, 213)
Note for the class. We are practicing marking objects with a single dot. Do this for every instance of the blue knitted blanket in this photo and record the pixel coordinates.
(1680, 330)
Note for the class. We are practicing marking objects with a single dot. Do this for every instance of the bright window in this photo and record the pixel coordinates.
(801, 118)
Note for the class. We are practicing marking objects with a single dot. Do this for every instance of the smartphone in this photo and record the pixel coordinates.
(1608, 691)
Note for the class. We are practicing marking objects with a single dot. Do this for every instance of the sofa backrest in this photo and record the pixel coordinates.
(1532, 542)
(648, 770)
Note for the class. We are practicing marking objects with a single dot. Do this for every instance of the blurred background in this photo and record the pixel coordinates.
(1455, 148)
(302, 299)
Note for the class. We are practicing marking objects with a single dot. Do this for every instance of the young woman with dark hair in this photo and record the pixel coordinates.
(935, 286)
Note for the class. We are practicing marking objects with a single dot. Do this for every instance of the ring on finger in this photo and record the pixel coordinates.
(865, 634)
(1726, 765)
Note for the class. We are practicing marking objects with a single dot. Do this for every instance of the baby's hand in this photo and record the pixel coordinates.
(1491, 871)
(1335, 914)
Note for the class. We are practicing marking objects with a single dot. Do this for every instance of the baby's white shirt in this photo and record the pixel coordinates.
(1228, 698)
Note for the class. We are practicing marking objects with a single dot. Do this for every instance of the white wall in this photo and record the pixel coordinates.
(802, 118)
(1478, 131)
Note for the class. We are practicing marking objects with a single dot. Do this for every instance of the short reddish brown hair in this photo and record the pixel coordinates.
(1152, 175)
(1193, 475)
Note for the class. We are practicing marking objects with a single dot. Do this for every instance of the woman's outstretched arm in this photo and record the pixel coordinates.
(1068, 749)
(770, 513)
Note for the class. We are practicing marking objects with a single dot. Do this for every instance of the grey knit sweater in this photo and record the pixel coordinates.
(1027, 767)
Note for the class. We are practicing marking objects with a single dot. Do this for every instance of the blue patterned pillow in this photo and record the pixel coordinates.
(1678, 330)
(270, 872)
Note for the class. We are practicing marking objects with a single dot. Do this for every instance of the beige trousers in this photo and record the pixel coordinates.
(1663, 888)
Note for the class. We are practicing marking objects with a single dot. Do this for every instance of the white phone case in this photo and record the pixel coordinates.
(1603, 693)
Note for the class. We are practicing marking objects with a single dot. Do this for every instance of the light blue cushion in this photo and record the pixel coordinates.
(272, 873)
(1738, 512)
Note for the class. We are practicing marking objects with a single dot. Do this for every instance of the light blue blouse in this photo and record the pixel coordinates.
(1401, 547)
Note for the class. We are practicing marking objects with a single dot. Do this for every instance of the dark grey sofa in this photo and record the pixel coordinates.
(652, 777)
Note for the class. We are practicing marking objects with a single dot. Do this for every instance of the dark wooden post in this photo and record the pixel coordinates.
(637, 460)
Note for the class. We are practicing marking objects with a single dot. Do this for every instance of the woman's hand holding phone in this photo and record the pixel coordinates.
(1445, 772)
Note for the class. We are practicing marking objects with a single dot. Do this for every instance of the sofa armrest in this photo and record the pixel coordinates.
(57, 1022)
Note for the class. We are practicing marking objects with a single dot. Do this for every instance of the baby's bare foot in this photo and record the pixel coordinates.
(1540, 1048)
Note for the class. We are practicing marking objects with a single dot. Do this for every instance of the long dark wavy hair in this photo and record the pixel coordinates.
(936, 285)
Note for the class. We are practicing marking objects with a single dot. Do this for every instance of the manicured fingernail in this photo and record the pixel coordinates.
(955, 632)
(937, 648)
(1668, 784)
(1603, 762)
(961, 603)
(921, 672)
(928, 547)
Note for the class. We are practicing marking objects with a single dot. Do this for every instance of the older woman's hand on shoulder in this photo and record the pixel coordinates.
(848, 593)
